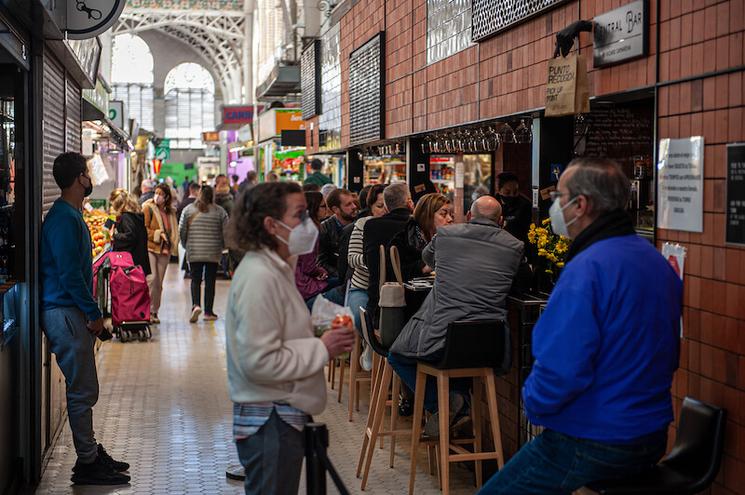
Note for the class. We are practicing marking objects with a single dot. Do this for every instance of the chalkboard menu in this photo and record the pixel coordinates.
(366, 91)
(736, 194)
(615, 131)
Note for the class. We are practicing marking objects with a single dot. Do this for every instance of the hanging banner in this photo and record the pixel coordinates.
(680, 184)
(735, 220)
(88, 18)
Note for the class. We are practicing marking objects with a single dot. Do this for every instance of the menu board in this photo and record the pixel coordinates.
(680, 184)
(618, 131)
(735, 194)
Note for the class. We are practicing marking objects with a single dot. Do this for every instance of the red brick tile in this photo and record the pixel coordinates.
(710, 61)
(697, 58)
(675, 32)
(735, 90)
(710, 22)
(698, 22)
(722, 53)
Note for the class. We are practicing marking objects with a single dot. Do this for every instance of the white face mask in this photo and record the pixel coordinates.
(556, 213)
(302, 238)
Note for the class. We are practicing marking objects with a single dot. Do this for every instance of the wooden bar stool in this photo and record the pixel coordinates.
(356, 376)
(473, 349)
(384, 379)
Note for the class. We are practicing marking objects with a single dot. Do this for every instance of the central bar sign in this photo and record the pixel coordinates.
(621, 34)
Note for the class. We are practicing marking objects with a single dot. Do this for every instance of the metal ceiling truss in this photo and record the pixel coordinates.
(219, 36)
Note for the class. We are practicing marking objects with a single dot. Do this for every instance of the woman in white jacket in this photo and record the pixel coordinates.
(275, 364)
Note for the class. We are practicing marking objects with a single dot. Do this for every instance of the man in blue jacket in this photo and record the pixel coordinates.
(71, 318)
(605, 348)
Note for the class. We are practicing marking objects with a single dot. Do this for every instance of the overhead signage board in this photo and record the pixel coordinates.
(237, 114)
(735, 220)
(89, 18)
(680, 184)
(116, 113)
(88, 54)
(621, 34)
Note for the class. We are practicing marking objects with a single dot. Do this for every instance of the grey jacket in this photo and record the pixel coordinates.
(202, 233)
(476, 263)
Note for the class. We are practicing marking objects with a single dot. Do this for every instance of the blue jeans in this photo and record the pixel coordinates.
(72, 343)
(555, 463)
(357, 298)
(272, 458)
(405, 368)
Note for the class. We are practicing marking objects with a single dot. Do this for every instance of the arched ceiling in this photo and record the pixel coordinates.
(221, 36)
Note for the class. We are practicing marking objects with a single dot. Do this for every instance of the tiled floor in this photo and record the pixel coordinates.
(164, 408)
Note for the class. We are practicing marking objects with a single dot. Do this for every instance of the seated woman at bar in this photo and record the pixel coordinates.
(432, 212)
(310, 277)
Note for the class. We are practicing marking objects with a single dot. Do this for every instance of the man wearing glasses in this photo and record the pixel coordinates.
(605, 348)
(71, 318)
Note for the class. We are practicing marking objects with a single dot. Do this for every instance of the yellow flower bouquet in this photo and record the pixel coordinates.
(551, 247)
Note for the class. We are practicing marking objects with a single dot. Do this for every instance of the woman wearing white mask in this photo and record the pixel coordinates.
(275, 364)
(162, 241)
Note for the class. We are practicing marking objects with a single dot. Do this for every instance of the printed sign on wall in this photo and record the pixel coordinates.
(735, 221)
(680, 184)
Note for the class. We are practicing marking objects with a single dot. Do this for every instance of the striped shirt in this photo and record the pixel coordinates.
(355, 256)
(248, 418)
(202, 233)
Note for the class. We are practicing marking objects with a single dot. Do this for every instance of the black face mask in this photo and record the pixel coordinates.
(88, 188)
(508, 200)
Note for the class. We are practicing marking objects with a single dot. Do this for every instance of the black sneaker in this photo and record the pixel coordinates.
(117, 466)
(405, 408)
(98, 472)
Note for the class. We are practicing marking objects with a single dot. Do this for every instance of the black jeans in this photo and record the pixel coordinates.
(209, 271)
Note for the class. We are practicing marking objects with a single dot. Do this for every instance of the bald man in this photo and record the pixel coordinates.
(476, 263)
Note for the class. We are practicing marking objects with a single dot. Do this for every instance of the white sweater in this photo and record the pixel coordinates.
(272, 353)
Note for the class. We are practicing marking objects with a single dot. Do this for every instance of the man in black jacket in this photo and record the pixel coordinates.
(342, 204)
(193, 193)
(399, 204)
(517, 211)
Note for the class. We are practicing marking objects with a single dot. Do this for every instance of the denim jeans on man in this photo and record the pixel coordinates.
(406, 369)
(555, 463)
(72, 343)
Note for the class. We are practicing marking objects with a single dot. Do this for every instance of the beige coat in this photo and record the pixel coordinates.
(272, 353)
(154, 225)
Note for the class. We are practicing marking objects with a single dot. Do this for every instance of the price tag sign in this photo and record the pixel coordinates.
(680, 184)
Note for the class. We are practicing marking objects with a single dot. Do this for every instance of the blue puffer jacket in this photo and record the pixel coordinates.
(607, 345)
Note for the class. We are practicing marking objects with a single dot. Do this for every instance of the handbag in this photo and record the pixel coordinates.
(392, 299)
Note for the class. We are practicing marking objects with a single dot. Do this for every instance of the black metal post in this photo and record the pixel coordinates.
(316, 441)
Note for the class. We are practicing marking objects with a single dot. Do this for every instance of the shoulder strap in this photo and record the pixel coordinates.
(396, 263)
(382, 266)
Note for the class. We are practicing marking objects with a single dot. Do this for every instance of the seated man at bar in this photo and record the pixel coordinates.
(605, 348)
(517, 212)
(475, 263)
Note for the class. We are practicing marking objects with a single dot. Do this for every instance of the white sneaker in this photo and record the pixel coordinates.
(195, 312)
(366, 359)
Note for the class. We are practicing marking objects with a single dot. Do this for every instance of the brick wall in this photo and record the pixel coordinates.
(506, 74)
(698, 38)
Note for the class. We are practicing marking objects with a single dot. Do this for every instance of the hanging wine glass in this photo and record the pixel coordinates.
(492, 139)
(523, 133)
(506, 134)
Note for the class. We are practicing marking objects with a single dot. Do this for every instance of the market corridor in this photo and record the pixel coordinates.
(164, 408)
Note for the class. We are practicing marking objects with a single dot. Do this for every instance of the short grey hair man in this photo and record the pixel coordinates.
(397, 196)
(485, 208)
(327, 189)
(146, 185)
(600, 180)
(588, 189)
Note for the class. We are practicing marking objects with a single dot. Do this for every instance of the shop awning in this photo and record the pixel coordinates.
(284, 80)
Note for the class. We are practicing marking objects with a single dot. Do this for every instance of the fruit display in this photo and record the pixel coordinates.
(96, 220)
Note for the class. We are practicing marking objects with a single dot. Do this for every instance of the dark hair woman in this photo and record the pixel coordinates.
(310, 277)
(355, 254)
(129, 232)
(275, 364)
(162, 241)
(201, 230)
